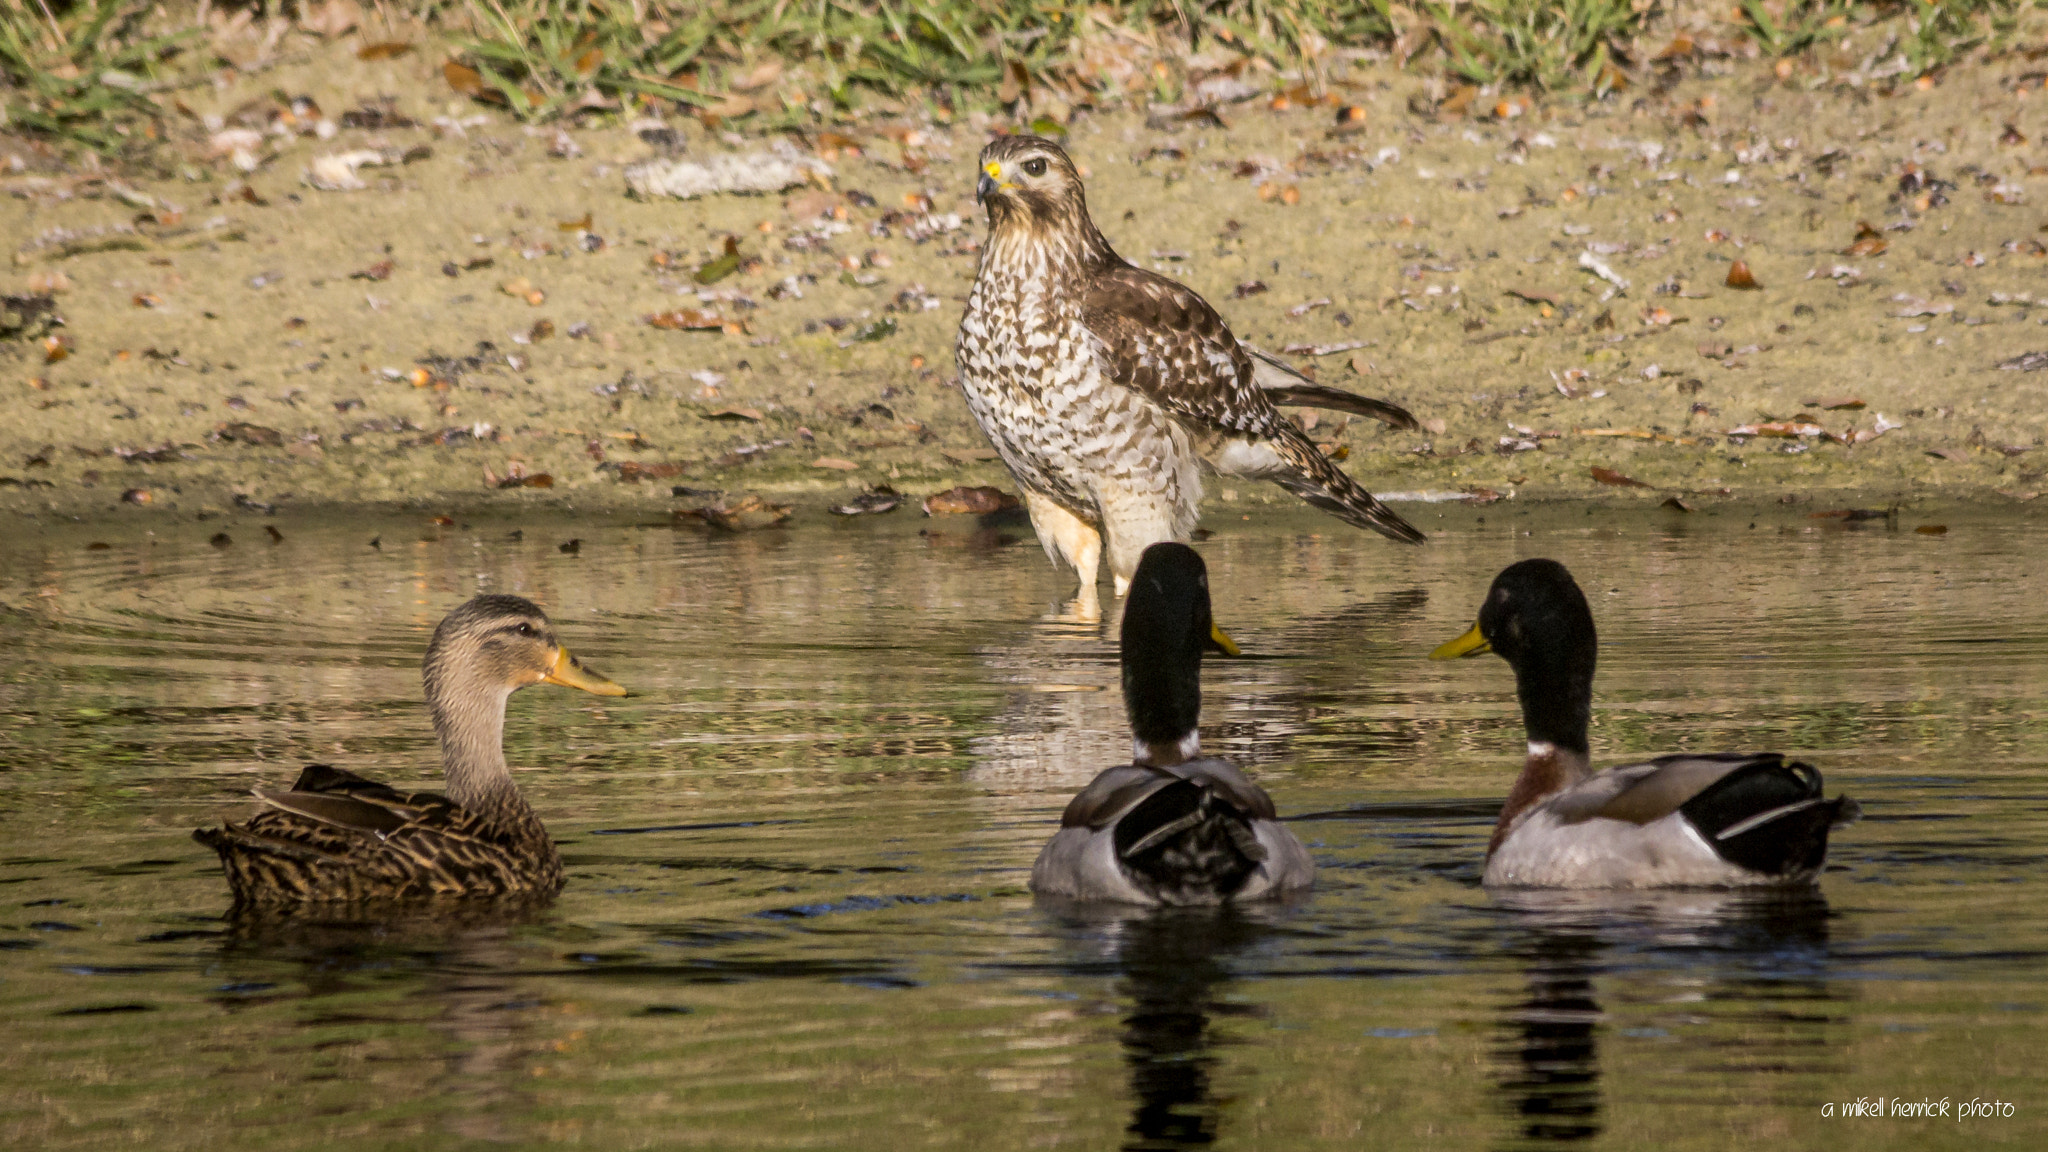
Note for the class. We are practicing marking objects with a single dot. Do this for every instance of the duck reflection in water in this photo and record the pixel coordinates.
(459, 960)
(1175, 968)
(1549, 1082)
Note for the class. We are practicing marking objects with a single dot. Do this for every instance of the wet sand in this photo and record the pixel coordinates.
(478, 312)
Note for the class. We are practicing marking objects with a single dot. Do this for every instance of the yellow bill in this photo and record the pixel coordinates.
(569, 672)
(1222, 641)
(991, 180)
(1472, 643)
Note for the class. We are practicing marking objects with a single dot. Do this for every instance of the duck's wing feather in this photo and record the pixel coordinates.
(1194, 833)
(1111, 794)
(339, 836)
(1652, 790)
(1757, 810)
(1283, 384)
(1228, 781)
(346, 801)
(1117, 790)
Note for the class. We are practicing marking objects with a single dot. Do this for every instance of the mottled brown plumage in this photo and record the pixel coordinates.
(1106, 388)
(336, 837)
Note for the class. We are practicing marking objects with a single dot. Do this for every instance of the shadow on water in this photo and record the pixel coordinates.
(1549, 1081)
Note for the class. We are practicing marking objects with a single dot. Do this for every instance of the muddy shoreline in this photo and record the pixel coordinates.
(474, 317)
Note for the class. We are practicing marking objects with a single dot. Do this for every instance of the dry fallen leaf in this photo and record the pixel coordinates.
(255, 434)
(1869, 241)
(1739, 276)
(1610, 476)
(523, 288)
(740, 515)
(875, 501)
(1676, 504)
(632, 471)
(1779, 428)
(734, 414)
(1288, 194)
(686, 319)
(1635, 434)
(1932, 529)
(834, 463)
(965, 501)
(465, 80)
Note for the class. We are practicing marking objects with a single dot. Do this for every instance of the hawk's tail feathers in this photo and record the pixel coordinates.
(1283, 384)
(1316, 478)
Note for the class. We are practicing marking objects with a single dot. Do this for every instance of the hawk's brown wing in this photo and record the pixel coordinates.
(1165, 343)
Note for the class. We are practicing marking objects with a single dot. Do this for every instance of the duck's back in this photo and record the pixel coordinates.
(1720, 820)
(338, 837)
(1194, 833)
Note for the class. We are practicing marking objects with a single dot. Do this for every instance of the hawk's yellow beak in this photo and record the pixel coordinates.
(1472, 643)
(991, 181)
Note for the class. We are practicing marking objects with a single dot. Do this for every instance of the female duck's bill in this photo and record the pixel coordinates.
(1730, 819)
(1171, 827)
(337, 837)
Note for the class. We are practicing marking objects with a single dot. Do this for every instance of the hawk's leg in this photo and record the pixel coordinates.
(1069, 539)
(1134, 521)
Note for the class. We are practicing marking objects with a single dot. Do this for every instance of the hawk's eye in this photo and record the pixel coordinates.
(1035, 166)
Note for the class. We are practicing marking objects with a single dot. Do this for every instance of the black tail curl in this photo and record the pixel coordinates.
(1770, 816)
(1188, 845)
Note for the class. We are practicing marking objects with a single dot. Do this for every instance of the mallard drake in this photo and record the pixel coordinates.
(1172, 826)
(1721, 820)
(336, 836)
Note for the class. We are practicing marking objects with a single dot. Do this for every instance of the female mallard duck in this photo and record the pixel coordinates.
(338, 837)
(1723, 820)
(1170, 828)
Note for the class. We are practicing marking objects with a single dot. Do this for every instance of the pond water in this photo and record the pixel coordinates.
(796, 913)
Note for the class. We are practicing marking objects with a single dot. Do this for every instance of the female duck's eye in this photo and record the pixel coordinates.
(1035, 166)
(526, 629)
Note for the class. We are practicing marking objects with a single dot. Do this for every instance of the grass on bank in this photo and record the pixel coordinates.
(83, 70)
(80, 71)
